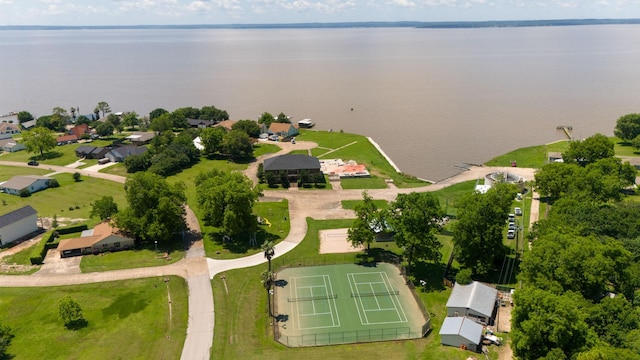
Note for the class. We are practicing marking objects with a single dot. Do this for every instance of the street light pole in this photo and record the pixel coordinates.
(156, 242)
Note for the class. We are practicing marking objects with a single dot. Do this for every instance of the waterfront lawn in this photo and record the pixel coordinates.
(242, 324)
(623, 148)
(529, 157)
(60, 155)
(372, 182)
(338, 145)
(71, 200)
(129, 319)
(129, 259)
(275, 228)
(261, 148)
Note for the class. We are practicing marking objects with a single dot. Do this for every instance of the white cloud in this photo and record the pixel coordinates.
(403, 3)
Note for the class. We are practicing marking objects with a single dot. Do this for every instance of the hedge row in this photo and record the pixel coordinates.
(39, 251)
(71, 229)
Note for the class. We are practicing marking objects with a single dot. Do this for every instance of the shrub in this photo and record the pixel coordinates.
(76, 176)
(464, 276)
(53, 183)
(25, 192)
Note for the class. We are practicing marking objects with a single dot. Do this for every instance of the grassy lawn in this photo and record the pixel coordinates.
(126, 319)
(242, 324)
(623, 148)
(275, 228)
(70, 200)
(261, 148)
(128, 259)
(7, 172)
(351, 204)
(338, 145)
(372, 182)
(529, 157)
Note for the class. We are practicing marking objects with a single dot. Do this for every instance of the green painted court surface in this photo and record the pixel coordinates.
(337, 304)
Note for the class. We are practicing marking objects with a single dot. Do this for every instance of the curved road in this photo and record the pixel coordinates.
(198, 270)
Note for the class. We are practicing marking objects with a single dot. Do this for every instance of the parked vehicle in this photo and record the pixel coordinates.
(512, 218)
(518, 211)
(33, 163)
(511, 234)
(512, 226)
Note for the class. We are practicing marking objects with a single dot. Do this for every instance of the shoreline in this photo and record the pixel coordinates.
(395, 167)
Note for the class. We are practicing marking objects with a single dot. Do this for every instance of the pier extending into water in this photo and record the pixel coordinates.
(567, 130)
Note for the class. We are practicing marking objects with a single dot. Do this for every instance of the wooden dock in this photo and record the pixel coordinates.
(567, 130)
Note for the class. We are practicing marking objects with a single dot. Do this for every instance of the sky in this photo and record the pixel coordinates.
(191, 12)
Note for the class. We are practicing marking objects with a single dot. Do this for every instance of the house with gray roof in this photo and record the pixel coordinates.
(200, 124)
(292, 165)
(461, 332)
(476, 301)
(10, 145)
(32, 183)
(141, 138)
(120, 153)
(29, 124)
(18, 224)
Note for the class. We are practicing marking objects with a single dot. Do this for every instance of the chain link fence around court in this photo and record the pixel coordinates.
(348, 337)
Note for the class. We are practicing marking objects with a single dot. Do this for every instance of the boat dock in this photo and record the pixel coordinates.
(567, 130)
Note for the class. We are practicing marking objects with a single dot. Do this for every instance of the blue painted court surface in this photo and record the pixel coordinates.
(337, 304)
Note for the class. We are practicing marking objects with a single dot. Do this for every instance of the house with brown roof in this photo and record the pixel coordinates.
(103, 237)
(7, 129)
(32, 183)
(284, 130)
(80, 130)
(226, 124)
(141, 138)
(67, 139)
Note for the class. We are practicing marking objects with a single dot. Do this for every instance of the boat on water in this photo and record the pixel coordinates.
(305, 123)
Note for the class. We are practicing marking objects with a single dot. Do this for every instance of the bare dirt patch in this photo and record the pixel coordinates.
(334, 241)
(62, 221)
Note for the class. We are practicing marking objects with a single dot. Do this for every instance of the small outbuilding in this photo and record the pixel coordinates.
(103, 237)
(141, 138)
(18, 224)
(461, 332)
(476, 301)
(11, 145)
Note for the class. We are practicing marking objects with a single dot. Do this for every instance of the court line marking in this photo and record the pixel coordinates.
(335, 306)
(326, 292)
(383, 275)
(355, 301)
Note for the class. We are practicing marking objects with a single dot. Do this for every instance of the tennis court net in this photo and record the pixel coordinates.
(311, 298)
(381, 293)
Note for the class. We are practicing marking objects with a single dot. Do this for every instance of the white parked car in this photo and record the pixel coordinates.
(511, 234)
(518, 211)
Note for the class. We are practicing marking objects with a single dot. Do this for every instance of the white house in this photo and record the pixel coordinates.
(475, 301)
(461, 332)
(18, 224)
(8, 129)
(10, 145)
(103, 237)
(32, 183)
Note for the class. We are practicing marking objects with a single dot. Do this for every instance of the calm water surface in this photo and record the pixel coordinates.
(432, 98)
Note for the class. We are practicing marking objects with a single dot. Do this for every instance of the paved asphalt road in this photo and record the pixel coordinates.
(198, 270)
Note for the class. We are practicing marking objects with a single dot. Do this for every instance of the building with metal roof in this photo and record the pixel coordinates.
(32, 183)
(461, 332)
(17, 224)
(476, 301)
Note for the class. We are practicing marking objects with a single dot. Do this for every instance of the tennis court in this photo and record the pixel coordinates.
(337, 304)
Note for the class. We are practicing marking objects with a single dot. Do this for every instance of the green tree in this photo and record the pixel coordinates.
(545, 323)
(368, 217)
(213, 113)
(267, 279)
(156, 208)
(416, 217)
(237, 145)
(6, 335)
(104, 107)
(589, 150)
(463, 277)
(24, 116)
(628, 127)
(105, 128)
(162, 123)
(282, 118)
(188, 112)
(478, 230)
(71, 313)
(76, 176)
(269, 250)
(51, 122)
(266, 119)
(612, 319)
(250, 127)
(260, 173)
(212, 139)
(39, 140)
(226, 201)
(104, 208)
(156, 113)
(130, 119)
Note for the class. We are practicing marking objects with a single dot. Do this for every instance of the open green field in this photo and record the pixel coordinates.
(338, 145)
(71, 200)
(242, 322)
(129, 259)
(130, 319)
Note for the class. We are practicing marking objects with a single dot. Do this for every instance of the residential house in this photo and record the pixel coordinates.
(120, 153)
(462, 333)
(7, 130)
(226, 124)
(80, 130)
(18, 224)
(10, 145)
(476, 301)
(554, 156)
(292, 165)
(141, 138)
(200, 124)
(32, 183)
(83, 151)
(67, 139)
(103, 237)
(284, 130)
(29, 124)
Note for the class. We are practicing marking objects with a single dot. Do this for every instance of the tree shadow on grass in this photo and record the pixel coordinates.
(77, 324)
(241, 244)
(50, 155)
(431, 273)
(125, 305)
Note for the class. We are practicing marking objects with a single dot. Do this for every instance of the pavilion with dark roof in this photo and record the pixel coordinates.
(292, 165)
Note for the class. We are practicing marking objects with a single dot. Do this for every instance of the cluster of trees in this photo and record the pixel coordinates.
(580, 298)
(168, 154)
(226, 201)
(628, 129)
(267, 119)
(414, 218)
(163, 120)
